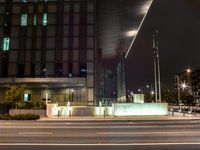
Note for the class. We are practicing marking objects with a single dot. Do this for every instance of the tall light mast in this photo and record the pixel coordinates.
(156, 59)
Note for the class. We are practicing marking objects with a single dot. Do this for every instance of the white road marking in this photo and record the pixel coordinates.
(98, 144)
(146, 133)
(73, 127)
(35, 133)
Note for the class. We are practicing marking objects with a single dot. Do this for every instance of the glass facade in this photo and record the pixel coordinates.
(44, 19)
(24, 20)
(6, 43)
(49, 39)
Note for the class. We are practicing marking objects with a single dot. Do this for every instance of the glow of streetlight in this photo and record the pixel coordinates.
(184, 86)
(188, 70)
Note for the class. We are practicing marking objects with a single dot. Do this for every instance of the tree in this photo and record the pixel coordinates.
(14, 94)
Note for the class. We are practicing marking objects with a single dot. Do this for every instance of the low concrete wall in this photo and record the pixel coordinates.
(117, 109)
(146, 109)
(73, 111)
(41, 113)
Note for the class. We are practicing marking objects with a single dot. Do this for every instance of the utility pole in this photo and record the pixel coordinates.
(156, 58)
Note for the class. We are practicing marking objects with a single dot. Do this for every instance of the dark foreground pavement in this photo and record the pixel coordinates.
(101, 135)
(128, 147)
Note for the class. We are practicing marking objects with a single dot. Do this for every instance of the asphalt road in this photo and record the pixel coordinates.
(116, 135)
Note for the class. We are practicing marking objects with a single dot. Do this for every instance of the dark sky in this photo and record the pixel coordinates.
(178, 22)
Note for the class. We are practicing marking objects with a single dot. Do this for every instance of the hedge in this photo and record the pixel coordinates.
(20, 117)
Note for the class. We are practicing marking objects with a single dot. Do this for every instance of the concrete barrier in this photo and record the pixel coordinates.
(146, 109)
(117, 109)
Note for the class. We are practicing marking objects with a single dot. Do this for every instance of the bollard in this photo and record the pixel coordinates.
(58, 113)
(104, 113)
(195, 112)
(172, 112)
(81, 113)
(70, 114)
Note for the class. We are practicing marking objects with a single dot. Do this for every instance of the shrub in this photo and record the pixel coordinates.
(20, 117)
(5, 117)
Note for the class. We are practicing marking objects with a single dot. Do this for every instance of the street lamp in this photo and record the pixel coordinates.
(189, 70)
(182, 85)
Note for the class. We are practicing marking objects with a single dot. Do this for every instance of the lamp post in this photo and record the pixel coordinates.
(178, 89)
(182, 85)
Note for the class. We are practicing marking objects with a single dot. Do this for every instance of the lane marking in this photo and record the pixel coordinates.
(147, 133)
(35, 133)
(74, 127)
(98, 144)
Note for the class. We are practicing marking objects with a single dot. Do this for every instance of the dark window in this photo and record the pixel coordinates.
(83, 70)
(70, 70)
(58, 69)
(21, 70)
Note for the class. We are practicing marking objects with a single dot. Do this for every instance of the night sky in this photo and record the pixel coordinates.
(178, 22)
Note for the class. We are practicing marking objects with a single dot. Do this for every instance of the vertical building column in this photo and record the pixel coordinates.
(59, 38)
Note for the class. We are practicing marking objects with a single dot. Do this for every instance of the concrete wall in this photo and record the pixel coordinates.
(41, 113)
(146, 109)
(118, 109)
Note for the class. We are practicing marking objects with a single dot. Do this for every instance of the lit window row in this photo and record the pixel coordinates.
(6, 44)
(24, 20)
(26, 1)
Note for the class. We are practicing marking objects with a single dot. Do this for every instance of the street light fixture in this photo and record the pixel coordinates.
(189, 70)
(182, 85)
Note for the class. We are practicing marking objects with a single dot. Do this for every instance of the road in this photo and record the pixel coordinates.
(98, 135)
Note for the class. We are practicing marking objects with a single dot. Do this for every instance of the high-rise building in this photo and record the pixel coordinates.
(196, 83)
(108, 86)
(49, 46)
(121, 82)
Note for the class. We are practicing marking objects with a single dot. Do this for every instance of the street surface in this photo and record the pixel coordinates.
(100, 135)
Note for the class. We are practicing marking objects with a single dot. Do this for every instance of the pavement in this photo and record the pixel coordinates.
(177, 116)
(152, 133)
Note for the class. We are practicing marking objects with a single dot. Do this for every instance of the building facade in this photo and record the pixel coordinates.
(49, 46)
(121, 82)
(196, 83)
(192, 81)
(108, 86)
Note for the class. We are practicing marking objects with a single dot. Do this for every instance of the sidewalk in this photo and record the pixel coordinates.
(139, 118)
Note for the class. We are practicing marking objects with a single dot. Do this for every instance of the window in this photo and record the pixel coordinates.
(90, 7)
(51, 8)
(90, 55)
(90, 42)
(6, 44)
(12, 69)
(77, 7)
(27, 96)
(24, 1)
(35, 20)
(46, 94)
(44, 19)
(24, 20)
(16, 9)
(90, 19)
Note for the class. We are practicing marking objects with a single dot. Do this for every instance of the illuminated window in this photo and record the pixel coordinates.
(6, 43)
(44, 19)
(24, 20)
(35, 20)
(27, 97)
(24, 1)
